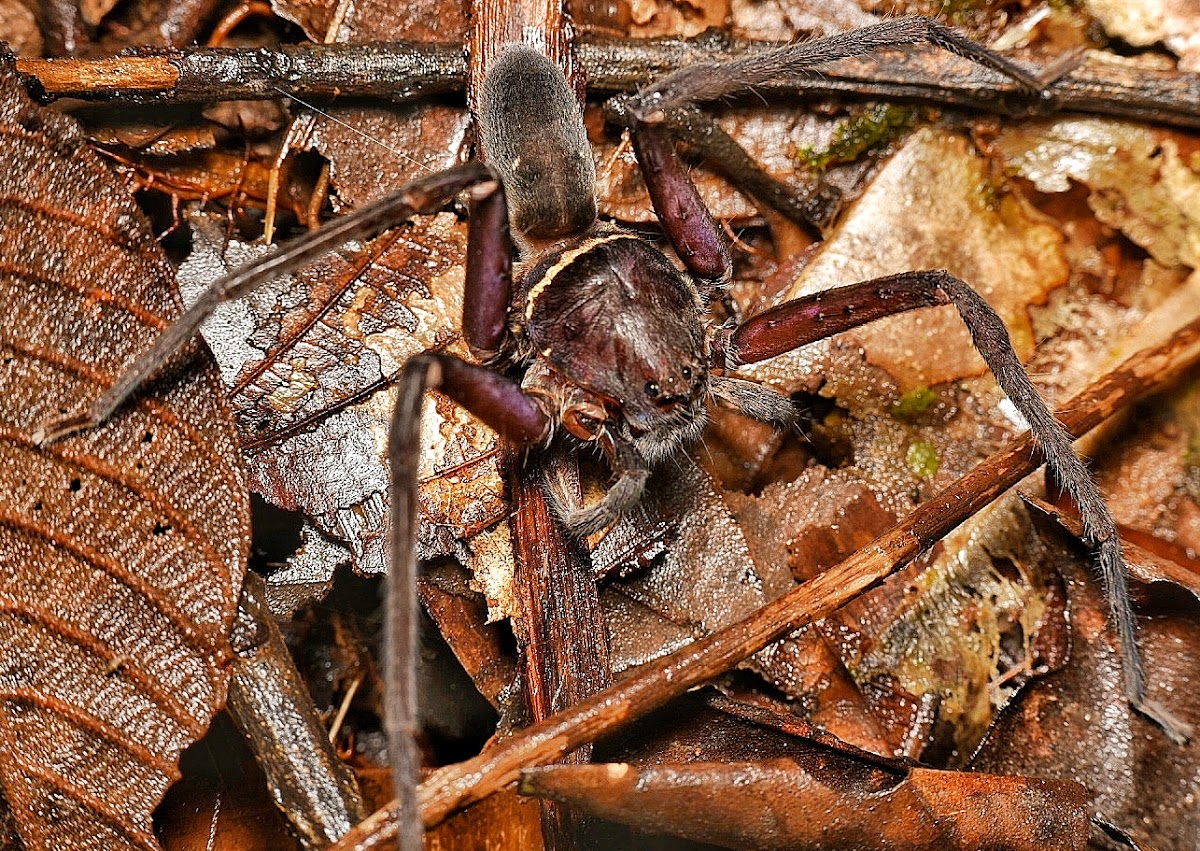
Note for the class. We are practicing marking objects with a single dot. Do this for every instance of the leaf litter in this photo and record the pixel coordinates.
(1013, 247)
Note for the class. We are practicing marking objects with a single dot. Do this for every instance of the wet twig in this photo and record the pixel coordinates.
(1100, 83)
(272, 707)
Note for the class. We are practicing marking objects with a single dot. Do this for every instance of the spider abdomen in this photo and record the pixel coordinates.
(532, 133)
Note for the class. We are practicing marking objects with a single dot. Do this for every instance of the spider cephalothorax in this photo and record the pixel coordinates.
(617, 347)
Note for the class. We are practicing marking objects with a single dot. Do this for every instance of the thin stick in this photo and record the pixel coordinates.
(456, 786)
(403, 70)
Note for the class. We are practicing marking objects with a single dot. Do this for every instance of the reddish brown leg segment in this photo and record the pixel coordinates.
(684, 217)
(810, 206)
(488, 292)
(805, 320)
(815, 317)
(500, 403)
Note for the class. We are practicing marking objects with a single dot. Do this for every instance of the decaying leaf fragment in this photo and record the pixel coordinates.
(122, 549)
(310, 363)
(1149, 192)
(1075, 725)
(1175, 23)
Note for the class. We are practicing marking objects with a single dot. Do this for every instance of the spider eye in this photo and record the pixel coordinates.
(687, 373)
(652, 389)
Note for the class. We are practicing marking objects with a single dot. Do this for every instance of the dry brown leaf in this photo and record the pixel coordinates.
(123, 548)
(1151, 474)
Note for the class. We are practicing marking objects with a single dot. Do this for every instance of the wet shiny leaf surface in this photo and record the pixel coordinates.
(817, 804)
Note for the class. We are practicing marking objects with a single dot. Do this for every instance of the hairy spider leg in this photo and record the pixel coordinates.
(706, 81)
(420, 197)
(667, 107)
(815, 317)
(498, 401)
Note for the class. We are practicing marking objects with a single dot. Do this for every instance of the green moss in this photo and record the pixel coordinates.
(878, 125)
(1191, 456)
(913, 403)
(923, 459)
